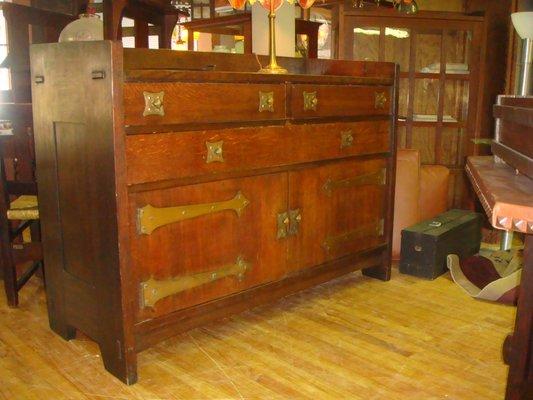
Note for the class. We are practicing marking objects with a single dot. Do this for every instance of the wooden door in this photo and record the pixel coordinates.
(196, 243)
(341, 209)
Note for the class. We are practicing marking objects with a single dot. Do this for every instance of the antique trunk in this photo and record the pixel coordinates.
(178, 188)
(426, 245)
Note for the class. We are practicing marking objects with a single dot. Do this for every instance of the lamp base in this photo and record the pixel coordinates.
(273, 69)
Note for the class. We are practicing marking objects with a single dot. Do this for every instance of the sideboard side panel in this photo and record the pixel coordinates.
(75, 151)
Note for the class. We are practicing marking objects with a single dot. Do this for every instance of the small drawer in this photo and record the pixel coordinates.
(191, 103)
(166, 156)
(314, 101)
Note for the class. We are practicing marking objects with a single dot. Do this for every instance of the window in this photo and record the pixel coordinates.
(4, 72)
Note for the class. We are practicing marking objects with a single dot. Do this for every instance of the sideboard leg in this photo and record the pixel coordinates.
(119, 362)
(382, 271)
(64, 330)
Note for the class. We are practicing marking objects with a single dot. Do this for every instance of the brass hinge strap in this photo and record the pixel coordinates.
(154, 290)
(150, 218)
(375, 178)
(374, 229)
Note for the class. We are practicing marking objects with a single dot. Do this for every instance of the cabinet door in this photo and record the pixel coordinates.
(341, 207)
(192, 244)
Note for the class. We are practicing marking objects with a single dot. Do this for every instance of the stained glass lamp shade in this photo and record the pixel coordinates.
(271, 6)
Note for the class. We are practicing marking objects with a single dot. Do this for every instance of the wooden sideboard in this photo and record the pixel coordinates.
(177, 188)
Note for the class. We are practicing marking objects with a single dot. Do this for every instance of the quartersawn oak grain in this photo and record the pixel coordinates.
(96, 177)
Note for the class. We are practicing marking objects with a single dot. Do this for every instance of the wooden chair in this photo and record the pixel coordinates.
(144, 12)
(18, 214)
(21, 256)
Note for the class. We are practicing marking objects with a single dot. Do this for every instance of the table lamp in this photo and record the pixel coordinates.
(523, 23)
(271, 6)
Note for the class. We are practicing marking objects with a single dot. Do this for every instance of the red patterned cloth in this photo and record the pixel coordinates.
(489, 275)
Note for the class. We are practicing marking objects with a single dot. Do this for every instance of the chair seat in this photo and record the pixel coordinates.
(23, 208)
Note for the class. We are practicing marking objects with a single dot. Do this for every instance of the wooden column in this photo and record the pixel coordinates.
(141, 34)
(113, 10)
(518, 347)
(169, 22)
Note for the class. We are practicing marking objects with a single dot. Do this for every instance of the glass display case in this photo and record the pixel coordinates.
(439, 57)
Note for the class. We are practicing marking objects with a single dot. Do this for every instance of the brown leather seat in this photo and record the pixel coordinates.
(421, 193)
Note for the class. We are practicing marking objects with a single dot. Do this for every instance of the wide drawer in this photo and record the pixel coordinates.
(315, 101)
(189, 103)
(165, 156)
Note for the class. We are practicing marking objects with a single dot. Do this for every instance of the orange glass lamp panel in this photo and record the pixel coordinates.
(237, 4)
(266, 4)
(305, 3)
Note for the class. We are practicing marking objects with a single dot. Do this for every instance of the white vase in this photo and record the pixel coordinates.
(87, 27)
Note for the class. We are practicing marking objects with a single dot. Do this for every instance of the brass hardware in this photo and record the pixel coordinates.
(98, 75)
(266, 101)
(375, 229)
(295, 218)
(482, 141)
(39, 79)
(289, 223)
(346, 139)
(375, 178)
(154, 290)
(150, 218)
(283, 225)
(153, 103)
(380, 100)
(214, 152)
(272, 67)
(310, 101)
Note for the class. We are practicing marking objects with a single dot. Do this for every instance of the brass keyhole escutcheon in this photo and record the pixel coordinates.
(346, 139)
(310, 101)
(380, 100)
(153, 103)
(214, 151)
(266, 101)
(283, 225)
(295, 218)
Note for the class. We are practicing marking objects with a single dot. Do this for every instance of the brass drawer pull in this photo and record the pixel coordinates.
(375, 178)
(310, 101)
(266, 101)
(380, 100)
(375, 229)
(150, 218)
(153, 103)
(214, 152)
(346, 139)
(154, 290)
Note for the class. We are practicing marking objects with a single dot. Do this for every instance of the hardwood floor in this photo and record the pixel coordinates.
(353, 338)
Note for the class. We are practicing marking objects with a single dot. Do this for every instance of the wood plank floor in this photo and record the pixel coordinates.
(353, 338)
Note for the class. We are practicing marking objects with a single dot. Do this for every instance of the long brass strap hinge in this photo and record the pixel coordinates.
(154, 290)
(149, 218)
(373, 230)
(375, 178)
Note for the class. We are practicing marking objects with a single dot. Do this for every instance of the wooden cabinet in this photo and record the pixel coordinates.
(172, 196)
(441, 80)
